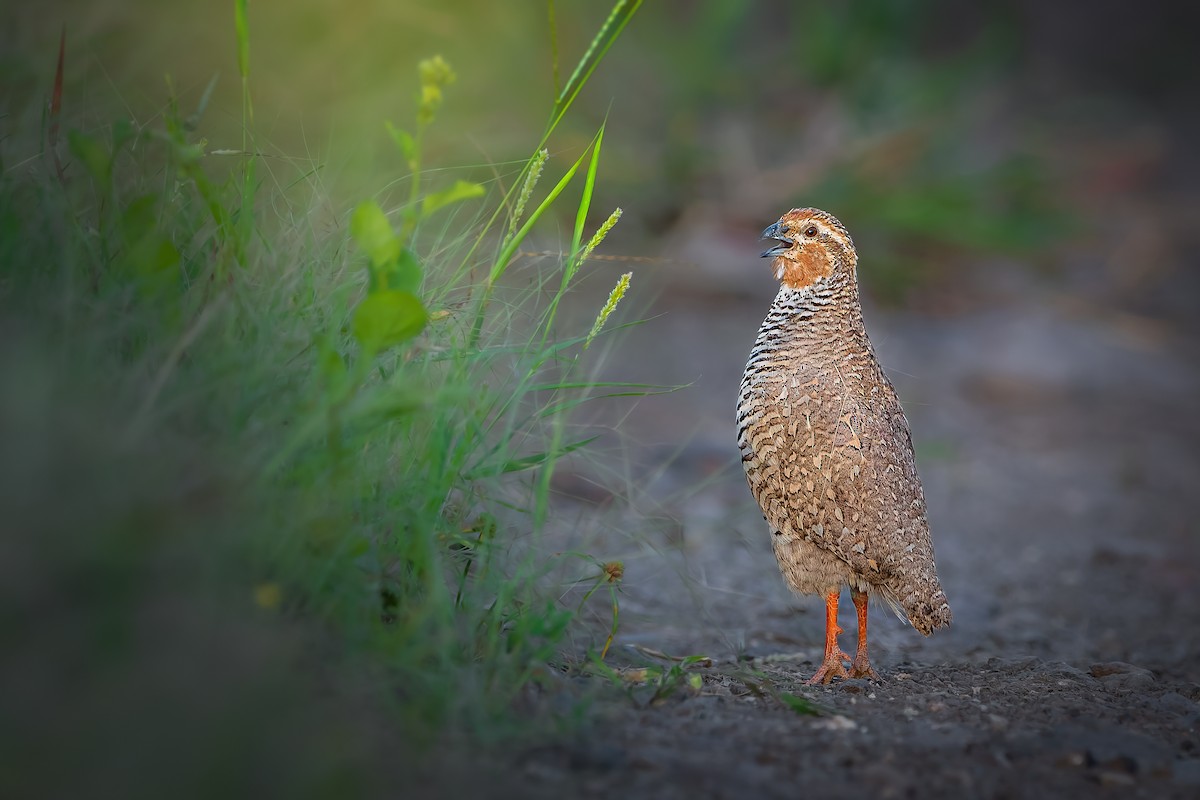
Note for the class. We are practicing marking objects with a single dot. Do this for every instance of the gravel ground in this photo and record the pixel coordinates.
(1057, 439)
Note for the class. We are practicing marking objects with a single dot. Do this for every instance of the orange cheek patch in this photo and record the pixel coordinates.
(805, 267)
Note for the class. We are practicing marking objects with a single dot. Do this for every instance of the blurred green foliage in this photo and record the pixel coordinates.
(273, 490)
(245, 427)
(897, 116)
(901, 117)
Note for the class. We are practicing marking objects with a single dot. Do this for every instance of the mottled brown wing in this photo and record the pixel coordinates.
(844, 473)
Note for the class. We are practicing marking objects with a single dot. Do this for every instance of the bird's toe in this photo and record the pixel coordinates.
(861, 668)
(832, 668)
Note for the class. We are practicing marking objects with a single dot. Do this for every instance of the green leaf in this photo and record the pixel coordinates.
(799, 704)
(95, 159)
(148, 255)
(138, 218)
(151, 263)
(122, 131)
(383, 406)
(152, 258)
(370, 228)
(461, 190)
(330, 363)
(388, 318)
(188, 155)
(406, 143)
(688, 661)
(604, 670)
(404, 274)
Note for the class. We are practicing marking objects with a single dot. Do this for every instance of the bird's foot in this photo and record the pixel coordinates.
(833, 666)
(830, 669)
(861, 668)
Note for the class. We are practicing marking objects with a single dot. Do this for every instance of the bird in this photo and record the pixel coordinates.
(827, 449)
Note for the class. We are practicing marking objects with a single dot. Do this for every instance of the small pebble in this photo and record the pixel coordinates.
(1117, 675)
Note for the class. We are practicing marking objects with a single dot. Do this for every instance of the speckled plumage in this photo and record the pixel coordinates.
(825, 444)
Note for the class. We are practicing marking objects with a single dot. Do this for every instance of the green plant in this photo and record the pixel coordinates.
(384, 425)
(460, 411)
(653, 683)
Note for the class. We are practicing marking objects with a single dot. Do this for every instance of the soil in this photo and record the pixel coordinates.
(1056, 432)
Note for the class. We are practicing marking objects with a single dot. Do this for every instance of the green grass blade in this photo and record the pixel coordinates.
(573, 260)
(529, 462)
(553, 25)
(242, 25)
(575, 402)
(618, 18)
(562, 385)
(800, 705)
(512, 243)
(241, 20)
(502, 261)
(585, 201)
(193, 121)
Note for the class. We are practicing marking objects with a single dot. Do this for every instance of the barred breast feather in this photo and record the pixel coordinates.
(829, 458)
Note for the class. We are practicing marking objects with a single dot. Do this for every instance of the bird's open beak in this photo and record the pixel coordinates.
(782, 243)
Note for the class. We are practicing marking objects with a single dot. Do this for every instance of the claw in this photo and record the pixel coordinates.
(828, 671)
(834, 666)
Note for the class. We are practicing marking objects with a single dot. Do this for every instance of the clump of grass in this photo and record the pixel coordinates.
(376, 431)
(446, 420)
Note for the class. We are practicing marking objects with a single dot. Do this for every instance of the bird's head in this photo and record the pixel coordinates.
(809, 244)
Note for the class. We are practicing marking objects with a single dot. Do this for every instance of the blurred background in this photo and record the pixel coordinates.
(1022, 183)
(944, 135)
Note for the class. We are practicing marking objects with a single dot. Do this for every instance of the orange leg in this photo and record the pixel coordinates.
(861, 668)
(832, 667)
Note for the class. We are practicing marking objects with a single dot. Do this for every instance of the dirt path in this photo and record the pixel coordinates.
(1058, 448)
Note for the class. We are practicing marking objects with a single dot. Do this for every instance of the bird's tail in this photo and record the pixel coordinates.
(924, 607)
(928, 612)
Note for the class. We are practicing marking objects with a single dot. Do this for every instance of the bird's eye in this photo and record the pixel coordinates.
(810, 231)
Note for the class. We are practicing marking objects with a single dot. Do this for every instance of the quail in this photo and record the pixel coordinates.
(826, 446)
